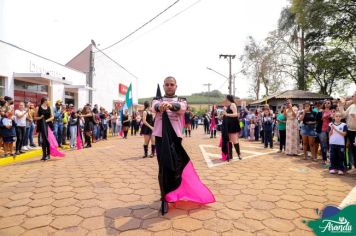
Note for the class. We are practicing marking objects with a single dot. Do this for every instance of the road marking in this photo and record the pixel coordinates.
(349, 199)
(211, 157)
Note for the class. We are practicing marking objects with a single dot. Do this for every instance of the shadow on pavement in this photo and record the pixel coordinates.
(144, 216)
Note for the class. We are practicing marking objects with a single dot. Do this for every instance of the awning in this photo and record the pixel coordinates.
(78, 87)
(39, 78)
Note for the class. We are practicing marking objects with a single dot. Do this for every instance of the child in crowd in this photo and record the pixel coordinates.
(8, 132)
(337, 133)
(252, 130)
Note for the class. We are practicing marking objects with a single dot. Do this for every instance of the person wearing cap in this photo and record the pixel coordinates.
(58, 122)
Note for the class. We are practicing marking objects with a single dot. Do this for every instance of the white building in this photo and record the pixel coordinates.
(90, 77)
(109, 80)
(27, 76)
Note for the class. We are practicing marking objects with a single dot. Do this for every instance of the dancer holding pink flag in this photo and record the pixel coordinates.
(177, 177)
(44, 117)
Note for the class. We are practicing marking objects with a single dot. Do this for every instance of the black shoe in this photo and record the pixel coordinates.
(144, 156)
(164, 207)
(43, 158)
(47, 158)
(17, 153)
(21, 151)
(33, 145)
(152, 155)
(240, 158)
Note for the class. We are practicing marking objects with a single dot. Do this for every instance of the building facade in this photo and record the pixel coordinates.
(26, 76)
(107, 78)
(90, 77)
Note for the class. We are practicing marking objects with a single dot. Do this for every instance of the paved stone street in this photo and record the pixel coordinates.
(110, 190)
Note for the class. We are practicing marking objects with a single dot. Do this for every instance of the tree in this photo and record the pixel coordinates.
(330, 43)
(292, 23)
(260, 63)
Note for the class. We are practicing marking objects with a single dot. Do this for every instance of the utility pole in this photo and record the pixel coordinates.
(229, 57)
(234, 85)
(208, 84)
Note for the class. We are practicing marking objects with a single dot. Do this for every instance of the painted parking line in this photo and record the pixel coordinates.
(213, 159)
(349, 199)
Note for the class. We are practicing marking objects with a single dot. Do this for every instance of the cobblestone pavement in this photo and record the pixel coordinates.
(110, 190)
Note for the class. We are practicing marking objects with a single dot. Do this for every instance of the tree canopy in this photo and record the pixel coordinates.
(313, 47)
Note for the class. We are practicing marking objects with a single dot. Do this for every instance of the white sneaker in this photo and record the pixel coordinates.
(332, 171)
(29, 147)
(24, 148)
(340, 172)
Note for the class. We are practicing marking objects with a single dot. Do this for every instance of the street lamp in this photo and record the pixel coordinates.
(217, 72)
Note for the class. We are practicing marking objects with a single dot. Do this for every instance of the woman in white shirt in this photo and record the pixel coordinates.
(20, 119)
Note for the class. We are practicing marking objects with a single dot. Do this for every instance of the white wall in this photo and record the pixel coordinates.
(13, 59)
(57, 92)
(107, 78)
(16, 60)
(83, 98)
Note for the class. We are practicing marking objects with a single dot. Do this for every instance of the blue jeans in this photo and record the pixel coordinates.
(337, 157)
(323, 138)
(268, 138)
(119, 127)
(29, 135)
(73, 135)
(246, 131)
(113, 128)
(257, 132)
(58, 130)
(104, 131)
(96, 132)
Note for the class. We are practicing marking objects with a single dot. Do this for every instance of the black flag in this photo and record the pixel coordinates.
(158, 93)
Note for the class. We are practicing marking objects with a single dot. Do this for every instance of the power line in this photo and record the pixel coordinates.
(165, 21)
(118, 64)
(174, 16)
(133, 32)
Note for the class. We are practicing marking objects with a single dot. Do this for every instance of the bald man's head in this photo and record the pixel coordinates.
(170, 86)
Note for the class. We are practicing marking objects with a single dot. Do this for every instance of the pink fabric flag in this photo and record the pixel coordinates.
(191, 188)
(53, 145)
(122, 133)
(79, 141)
(212, 123)
(223, 156)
